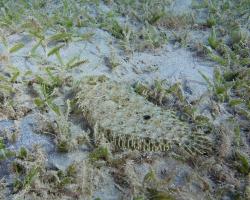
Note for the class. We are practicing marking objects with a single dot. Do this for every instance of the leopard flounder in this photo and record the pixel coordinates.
(128, 121)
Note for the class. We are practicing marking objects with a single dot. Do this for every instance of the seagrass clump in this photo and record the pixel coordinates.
(127, 120)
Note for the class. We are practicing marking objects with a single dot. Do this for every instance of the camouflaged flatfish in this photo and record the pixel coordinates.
(127, 120)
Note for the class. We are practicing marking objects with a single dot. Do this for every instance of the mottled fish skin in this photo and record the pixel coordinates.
(127, 120)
